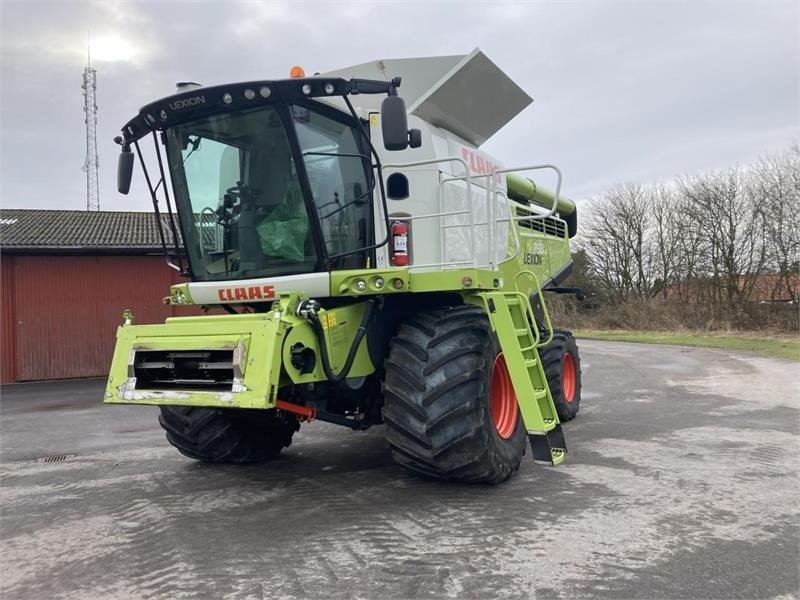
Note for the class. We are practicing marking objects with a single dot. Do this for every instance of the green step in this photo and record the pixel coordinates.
(548, 446)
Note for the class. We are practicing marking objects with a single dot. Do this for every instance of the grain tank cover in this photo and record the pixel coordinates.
(468, 95)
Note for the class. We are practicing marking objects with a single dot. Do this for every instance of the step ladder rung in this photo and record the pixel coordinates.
(531, 362)
(521, 332)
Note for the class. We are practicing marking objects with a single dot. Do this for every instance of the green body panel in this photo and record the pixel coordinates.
(542, 254)
(255, 340)
(341, 325)
(262, 359)
(343, 283)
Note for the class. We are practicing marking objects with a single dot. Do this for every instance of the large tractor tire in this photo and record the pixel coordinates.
(562, 365)
(227, 435)
(449, 406)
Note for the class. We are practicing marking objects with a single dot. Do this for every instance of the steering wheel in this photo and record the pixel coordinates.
(242, 192)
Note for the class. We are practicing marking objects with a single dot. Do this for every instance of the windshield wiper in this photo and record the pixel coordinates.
(195, 145)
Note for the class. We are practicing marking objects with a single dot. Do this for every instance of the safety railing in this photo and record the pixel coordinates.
(493, 195)
(442, 213)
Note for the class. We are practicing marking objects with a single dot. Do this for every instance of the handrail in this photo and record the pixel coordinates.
(556, 194)
(493, 194)
(468, 177)
(528, 306)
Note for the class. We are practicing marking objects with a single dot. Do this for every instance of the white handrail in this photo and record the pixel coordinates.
(468, 177)
(493, 194)
(553, 208)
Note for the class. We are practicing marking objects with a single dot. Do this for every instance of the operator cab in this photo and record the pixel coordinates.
(267, 180)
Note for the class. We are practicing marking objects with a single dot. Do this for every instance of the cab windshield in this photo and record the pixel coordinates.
(277, 190)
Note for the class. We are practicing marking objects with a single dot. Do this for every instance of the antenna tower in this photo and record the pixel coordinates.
(91, 165)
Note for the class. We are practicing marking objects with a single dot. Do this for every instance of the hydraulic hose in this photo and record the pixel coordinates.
(316, 325)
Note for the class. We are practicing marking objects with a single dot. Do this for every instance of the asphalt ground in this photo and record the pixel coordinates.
(682, 481)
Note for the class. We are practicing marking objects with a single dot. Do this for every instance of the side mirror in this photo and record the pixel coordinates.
(124, 170)
(394, 123)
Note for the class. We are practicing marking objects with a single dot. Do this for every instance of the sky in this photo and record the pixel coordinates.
(623, 91)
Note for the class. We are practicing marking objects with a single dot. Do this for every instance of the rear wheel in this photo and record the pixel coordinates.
(227, 435)
(562, 365)
(450, 408)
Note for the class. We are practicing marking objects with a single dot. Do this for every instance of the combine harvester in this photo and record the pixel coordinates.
(373, 273)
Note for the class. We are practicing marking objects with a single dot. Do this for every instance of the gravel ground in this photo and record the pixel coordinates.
(682, 481)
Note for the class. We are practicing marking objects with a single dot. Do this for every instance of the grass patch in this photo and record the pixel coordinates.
(780, 346)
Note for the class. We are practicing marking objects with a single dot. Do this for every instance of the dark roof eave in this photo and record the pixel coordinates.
(44, 249)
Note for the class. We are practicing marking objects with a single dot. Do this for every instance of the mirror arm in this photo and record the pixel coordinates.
(170, 214)
(378, 168)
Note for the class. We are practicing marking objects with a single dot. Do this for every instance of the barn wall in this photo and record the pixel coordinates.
(7, 346)
(63, 311)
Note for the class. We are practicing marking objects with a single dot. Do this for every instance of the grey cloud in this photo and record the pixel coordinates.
(622, 90)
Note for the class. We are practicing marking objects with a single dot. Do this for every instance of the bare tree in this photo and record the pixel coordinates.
(617, 245)
(733, 225)
(775, 182)
(701, 248)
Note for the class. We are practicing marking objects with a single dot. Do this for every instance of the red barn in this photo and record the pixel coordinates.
(66, 278)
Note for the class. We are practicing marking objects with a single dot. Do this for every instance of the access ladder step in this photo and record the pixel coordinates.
(549, 447)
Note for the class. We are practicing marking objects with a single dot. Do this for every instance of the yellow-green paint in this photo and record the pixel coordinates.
(340, 325)
(263, 341)
(256, 336)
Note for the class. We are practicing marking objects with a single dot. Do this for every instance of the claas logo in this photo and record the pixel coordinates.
(479, 165)
(260, 292)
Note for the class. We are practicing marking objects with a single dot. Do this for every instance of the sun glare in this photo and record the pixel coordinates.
(112, 48)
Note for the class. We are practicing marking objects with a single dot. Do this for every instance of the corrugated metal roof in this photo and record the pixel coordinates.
(73, 229)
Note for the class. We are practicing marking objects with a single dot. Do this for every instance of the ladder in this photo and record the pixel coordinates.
(511, 316)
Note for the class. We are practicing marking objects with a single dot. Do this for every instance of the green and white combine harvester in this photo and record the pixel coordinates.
(369, 272)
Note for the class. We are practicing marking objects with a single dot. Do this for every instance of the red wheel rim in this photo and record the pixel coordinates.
(568, 377)
(504, 401)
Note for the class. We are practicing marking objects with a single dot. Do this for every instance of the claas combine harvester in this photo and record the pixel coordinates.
(373, 265)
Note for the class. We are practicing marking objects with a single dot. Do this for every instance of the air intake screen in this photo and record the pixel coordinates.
(204, 370)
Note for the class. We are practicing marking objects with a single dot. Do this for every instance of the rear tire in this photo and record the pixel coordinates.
(443, 418)
(227, 435)
(562, 365)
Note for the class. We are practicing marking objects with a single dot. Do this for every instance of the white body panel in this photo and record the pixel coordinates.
(444, 241)
(316, 285)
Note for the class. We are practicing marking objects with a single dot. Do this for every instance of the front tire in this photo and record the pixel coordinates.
(449, 409)
(227, 435)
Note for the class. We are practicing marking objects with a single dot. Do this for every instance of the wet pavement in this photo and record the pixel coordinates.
(682, 481)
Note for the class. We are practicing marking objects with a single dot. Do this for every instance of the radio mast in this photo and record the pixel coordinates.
(90, 166)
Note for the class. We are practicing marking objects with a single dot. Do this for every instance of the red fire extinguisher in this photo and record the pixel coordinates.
(399, 244)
